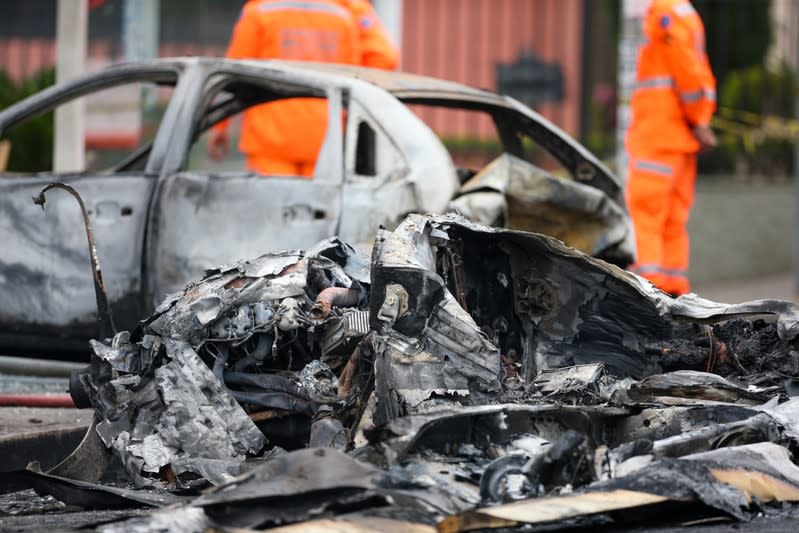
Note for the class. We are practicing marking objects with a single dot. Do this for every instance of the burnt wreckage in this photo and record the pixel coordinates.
(466, 378)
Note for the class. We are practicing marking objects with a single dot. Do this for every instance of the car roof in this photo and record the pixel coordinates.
(406, 87)
(402, 85)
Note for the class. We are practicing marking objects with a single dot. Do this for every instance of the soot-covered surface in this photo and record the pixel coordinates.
(468, 377)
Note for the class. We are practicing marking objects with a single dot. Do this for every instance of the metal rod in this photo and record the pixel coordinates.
(24, 366)
(107, 328)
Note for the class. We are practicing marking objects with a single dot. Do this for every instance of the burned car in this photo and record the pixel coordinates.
(463, 378)
(162, 215)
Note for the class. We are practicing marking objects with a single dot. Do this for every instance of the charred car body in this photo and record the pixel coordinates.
(467, 378)
(160, 218)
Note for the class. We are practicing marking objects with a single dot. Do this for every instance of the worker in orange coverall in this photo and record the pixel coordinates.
(672, 104)
(284, 137)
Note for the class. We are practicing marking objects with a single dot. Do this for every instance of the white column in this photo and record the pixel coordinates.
(71, 41)
(632, 16)
(140, 29)
(140, 40)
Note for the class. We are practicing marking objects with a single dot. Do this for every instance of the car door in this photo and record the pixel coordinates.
(205, 215)
(47, 299)
(377, 191)
(394, 165)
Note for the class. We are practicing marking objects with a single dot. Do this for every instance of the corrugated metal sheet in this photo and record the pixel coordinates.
(463, 40)
(23, 57)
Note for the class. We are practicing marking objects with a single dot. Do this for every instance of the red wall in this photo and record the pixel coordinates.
(21, 58)
(462, 40)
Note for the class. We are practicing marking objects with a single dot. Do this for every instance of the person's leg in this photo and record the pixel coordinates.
(676, 244)
(649, 192)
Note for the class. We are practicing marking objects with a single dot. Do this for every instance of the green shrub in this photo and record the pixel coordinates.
(32, 141)
(754, 122)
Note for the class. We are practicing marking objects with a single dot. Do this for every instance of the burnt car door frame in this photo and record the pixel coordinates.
(61, 93)
(378, 127)
(515, 117)
(511, 118)
(313, 208)
(54, 321)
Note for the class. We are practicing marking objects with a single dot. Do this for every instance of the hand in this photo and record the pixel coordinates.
(218, 145)
(706, 138)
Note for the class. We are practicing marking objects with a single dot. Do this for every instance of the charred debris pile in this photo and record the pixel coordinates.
(463, 378)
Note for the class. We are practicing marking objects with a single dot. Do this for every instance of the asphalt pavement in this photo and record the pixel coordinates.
(777, 286)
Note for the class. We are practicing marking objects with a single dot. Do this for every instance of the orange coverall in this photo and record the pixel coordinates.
(376, 48)
(284, 137)
(673, 95)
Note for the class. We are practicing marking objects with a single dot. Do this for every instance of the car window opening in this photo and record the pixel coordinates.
(475, 137)
(270, 131)
(365, 151)
(121, 122)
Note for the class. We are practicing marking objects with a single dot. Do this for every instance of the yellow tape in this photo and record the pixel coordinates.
(743, 116)
(754, 128)
(766, 127)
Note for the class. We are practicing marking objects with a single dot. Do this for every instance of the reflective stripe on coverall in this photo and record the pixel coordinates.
(285, 137)
(674, 91)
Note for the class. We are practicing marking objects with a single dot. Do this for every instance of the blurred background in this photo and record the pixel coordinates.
(562, 57)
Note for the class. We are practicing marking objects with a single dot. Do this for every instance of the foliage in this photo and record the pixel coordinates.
(31, 141)
(755, 123)
(758, 90)
(476, 152)
(601, 136)
(472, 143)
(611, 10)
(738, 33)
